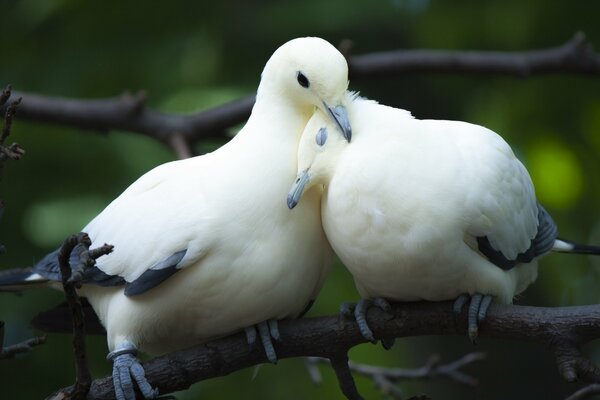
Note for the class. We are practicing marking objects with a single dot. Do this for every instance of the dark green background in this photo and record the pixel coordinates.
(192, 55)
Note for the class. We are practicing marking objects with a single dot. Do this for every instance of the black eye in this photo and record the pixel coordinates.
(302, 80)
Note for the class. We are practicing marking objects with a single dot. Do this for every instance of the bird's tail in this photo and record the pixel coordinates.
(566, 246)
(20, 278)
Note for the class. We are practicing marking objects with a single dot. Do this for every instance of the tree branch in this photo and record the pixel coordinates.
(14, 151)
(585, 392)
(576, 56)
(325, 336)
(128, 112)
(23, 347)
(384, 378)
(76, 247)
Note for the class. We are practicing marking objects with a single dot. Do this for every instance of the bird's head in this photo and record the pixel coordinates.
(318, 153)
(310, 73)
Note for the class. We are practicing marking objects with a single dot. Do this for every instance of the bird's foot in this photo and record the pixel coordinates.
(477, 311)
(359, 311)
(267, 330)
(126, 370)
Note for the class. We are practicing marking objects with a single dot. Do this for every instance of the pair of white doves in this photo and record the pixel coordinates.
(416, 209)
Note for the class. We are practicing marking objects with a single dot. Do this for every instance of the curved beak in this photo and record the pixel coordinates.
(340, 116)
(297, 188)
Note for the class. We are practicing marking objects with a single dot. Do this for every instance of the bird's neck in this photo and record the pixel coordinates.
(277, 119)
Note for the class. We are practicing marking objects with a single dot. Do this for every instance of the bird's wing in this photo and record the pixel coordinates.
(158, 226)
(507, 223)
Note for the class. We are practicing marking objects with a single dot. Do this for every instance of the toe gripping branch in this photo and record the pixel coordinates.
(359, 312)
(267, 330)
(126, 370)
(476, 313)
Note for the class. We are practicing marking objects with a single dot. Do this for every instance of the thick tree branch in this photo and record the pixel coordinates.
(327, 336)
(129, 112)
(576, 56)
(585, 392)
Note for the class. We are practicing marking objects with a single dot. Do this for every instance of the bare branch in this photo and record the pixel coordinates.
(78, 244)
(5, 95)
(129, 112)
(181, 147)
(14, 151)
(339, 363)
(576, 56)
(384, 378)
(585, 392)
(326, 336)
(23, 347)
(8, 117)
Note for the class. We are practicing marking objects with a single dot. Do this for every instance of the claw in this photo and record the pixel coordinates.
(267, 330)
(274, 329)
(347, 309)
(473, 311)
(359, 312)
(388, 343)
(476, 313)
(127, 370)
(250, 336)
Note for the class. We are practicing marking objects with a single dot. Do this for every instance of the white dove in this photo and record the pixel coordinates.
(425, 209)
(206, 246)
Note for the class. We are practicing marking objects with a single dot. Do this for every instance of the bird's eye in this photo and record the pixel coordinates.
(321, 137)
(302, 79)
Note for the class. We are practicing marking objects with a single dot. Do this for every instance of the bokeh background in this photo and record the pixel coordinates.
(190, 55)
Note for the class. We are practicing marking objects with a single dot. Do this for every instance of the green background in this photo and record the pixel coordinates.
(190, 55)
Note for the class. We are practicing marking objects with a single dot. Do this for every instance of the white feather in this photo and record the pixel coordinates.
(248, 257)
(406, 199)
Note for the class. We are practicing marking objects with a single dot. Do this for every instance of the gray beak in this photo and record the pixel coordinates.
(297, 189)
(340, 116)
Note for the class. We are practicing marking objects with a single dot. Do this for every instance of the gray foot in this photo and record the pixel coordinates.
(359, 311)
(267, 330)
(127, 370)
(477, 311)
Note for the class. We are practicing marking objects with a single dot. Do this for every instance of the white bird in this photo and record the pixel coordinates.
(206, 246)
(425, 209)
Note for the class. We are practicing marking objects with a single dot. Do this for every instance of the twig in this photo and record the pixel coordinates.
(5, 95)
(14, 151)
(339, 363)
(180, 146)
(8, 117)
(129, 112)
(384, 378)
(585, 392)
(23, 347)
(324, 336)
(78, 244)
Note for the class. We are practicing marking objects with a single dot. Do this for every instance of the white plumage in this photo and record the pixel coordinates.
(246, 258)
(406, 202)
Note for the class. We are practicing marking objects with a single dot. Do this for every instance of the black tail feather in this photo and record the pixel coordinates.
(17, 279)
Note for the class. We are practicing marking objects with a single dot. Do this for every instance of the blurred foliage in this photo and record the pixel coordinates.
(190, 55)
